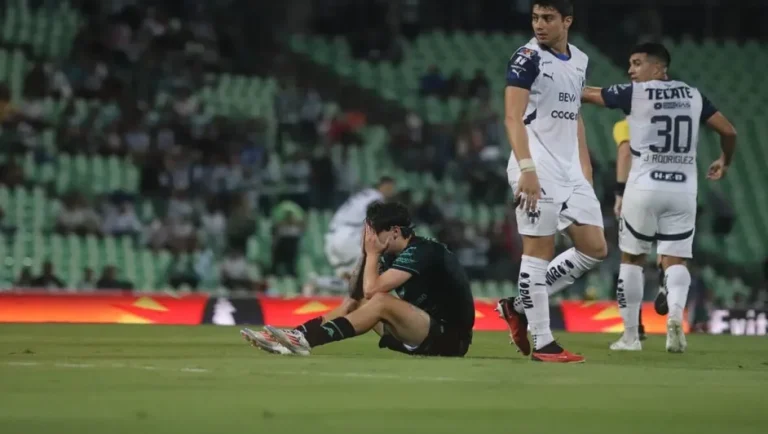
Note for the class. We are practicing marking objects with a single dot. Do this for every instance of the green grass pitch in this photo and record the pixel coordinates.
(161, 379)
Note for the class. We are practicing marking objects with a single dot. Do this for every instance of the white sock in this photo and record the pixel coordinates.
(629, 294)
(534, 298)
(678, 280)
(566, 268)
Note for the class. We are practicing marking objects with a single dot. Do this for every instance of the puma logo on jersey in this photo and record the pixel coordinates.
(549, 76)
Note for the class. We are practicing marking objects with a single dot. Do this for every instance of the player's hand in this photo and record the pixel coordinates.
(617, 206)
(373, 245)
(717, 170)
(528, 191)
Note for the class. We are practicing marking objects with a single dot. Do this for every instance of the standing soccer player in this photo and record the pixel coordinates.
(659, 202)
(551, 174)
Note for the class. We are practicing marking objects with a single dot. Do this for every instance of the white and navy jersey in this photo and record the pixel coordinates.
(353, 211)
(551, 118)
(664, 118)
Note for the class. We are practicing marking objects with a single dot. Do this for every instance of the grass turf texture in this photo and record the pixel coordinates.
(160, 379)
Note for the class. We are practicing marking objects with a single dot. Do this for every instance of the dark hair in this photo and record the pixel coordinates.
(656, 50)
(385, 180)
(384, 216)
(564, 7)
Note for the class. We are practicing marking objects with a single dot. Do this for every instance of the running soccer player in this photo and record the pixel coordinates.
(434, 312)
(659, 203)
(551, 174)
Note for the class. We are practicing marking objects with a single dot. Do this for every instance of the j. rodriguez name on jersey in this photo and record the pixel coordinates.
(663, 121)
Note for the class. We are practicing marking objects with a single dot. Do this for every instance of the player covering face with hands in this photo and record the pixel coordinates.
(432, 313)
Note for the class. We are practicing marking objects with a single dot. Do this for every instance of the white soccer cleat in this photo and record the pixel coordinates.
(626, 345)
(294, 340)
(264, 341)
(675, 337)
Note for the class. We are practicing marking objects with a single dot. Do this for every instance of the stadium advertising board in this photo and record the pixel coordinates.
(604, 317)
(126, 308)
(739, 322)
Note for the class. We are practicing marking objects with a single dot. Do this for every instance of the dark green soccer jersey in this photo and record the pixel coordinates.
(438, 284)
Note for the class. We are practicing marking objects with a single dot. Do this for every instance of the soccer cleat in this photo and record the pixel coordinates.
(626, 345)
(294, 340)
(264, 341)
(675, 337)
(660, 303)
(518, 324)
(554, 353)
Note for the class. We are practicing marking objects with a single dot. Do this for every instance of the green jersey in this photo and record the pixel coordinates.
(438, 284)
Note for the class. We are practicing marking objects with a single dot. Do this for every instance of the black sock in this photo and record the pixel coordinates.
(317, 321)
(332, 331)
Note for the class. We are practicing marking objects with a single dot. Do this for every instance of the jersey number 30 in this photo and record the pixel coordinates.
(671, 129)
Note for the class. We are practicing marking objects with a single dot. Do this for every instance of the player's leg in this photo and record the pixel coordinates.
(407, 323)
(531, 307)
(582, 217)
(660, 304)
(637, 230)
(676, 231)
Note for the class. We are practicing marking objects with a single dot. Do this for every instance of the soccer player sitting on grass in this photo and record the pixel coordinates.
(434, 312)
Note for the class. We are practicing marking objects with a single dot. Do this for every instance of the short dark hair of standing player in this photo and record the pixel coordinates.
(649, 61)
(386, 186)
(563, 7)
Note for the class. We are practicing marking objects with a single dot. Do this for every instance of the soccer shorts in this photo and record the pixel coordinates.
(667, 218)
(441, 341)
(559, 207)
(343, 248)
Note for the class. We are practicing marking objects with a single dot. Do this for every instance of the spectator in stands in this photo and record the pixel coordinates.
(213, 226)
(287, 109)
(180, 206)
(242, 222)
(136, 139)
(76, 216)
(433, 82)
(89, 281)
(181, 271)
(285, 244)
(109, 280)
(296, 176)
(479, 86)
(111, 141)
(234, 271)
(122, 220)
(25, 278)
(48, 279)
(456, 86)
(11, 173)
(428, 212)
(185, 103)
(322, 179)
(311, 113)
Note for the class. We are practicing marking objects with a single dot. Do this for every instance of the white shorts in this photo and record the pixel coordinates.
(343, 248)
(559, 207)
(665, 217)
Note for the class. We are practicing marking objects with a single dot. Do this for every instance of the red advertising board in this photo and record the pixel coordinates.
(113, 308)
(604, 317)
(291, 312)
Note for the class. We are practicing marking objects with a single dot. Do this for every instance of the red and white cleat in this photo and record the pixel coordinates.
(294, 340)
(264, 341)
(554, 353)
(517, 323)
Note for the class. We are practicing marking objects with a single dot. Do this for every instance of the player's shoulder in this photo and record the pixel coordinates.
(530, 50)
(577, 55)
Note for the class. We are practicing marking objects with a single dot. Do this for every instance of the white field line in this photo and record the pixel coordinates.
(356, 375)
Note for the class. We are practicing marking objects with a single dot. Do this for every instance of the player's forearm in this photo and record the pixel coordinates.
(592, 95)
(518, 137)
(586, 162)
(371, 275)
(728, 146)
(623, 163)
